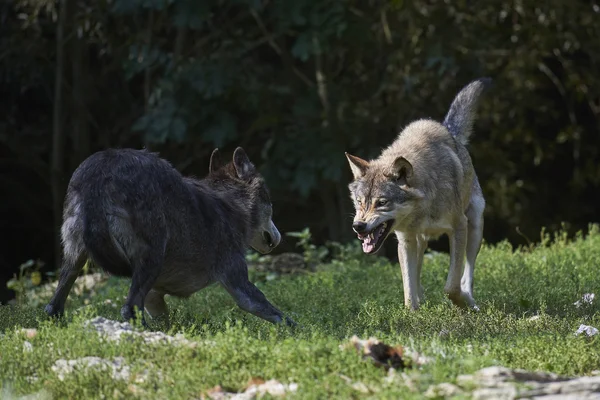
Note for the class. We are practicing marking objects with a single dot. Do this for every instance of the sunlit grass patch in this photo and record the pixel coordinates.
(527, 320)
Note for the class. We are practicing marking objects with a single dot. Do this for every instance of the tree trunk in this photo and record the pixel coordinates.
(330, 211)
(147, 75)
(335, 198)
(344, 214)
(179, 44)
(58, 134)
(81, 131)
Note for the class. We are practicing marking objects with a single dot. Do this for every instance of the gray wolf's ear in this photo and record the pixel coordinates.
(402, 170)
(215, 162)
(357, 165)
(243, 167)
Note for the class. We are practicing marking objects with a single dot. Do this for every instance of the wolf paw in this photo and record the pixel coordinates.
(129, 314)
(54, 311)
(463, 300)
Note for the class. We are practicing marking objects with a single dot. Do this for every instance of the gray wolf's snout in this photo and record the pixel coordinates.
(359, 227)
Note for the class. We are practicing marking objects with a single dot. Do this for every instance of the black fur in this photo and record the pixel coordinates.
(135, 215)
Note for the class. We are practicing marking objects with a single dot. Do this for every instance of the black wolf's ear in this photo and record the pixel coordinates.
(357, 165)
(243, 167)
(402, 170)
(215, 162)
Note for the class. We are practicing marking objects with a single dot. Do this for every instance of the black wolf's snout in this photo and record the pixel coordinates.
(359, 227)
(268, 238)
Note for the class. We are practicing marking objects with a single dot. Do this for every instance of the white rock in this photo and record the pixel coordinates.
(503, 383)
(586, 299)
(117, 366)
(587, 330)
(27, 347)
(271, 387)
(115, 331)
(444, 390)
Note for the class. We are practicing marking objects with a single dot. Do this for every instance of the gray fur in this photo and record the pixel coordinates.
(422, 186)
(134, 215)
(460, 117)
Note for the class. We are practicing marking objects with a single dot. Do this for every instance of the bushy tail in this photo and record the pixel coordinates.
(460, 117)
(97, 238)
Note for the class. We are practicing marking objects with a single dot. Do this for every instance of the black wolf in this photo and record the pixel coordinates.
(134, 215)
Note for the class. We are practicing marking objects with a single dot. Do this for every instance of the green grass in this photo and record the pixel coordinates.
(355, 294)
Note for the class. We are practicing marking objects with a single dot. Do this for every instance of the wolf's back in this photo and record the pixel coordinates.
(460, 117)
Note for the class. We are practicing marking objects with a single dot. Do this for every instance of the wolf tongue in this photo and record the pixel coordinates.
(370, 241)
(368, 246)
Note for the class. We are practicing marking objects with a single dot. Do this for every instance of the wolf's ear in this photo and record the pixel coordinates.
(243, 167)
(357, 165)
(215, 162)
(402, 170)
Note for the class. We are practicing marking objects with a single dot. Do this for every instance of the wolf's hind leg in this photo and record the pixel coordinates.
(247, 296)
(155, 304)
(458, 244)
(408, 256)
(74, 254)
(474, 237)
(72, 265)
(146, 269)
(157, 307)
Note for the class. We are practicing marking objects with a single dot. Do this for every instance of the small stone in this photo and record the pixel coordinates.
(254, 390)
(27, 347)
(586, 300)
(589, 331)
(360, 387)
(503, 393)
(443, 390)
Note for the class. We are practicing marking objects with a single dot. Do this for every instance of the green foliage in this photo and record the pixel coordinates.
(299, 83)
(29, 276)
(313, 254)
(361, 296)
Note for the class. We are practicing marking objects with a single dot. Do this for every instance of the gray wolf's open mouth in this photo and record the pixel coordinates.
(372, 241)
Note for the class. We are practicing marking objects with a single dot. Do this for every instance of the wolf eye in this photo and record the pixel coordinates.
(382, 202)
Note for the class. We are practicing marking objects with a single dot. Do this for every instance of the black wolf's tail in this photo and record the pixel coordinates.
(100, 245)
(460, 117)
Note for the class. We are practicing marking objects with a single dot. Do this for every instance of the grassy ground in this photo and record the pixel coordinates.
(355, 294)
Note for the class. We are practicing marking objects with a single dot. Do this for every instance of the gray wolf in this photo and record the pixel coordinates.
(134, 215)
(422, 186)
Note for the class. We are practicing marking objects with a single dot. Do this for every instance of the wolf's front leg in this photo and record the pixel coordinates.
(458, 245)
(421, 247)
(248, 297)
(408, 256)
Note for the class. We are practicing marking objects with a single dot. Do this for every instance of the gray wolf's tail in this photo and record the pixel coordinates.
(460, 117)
(97, 238)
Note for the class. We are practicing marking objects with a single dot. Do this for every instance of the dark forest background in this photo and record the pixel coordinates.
(297, 83)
